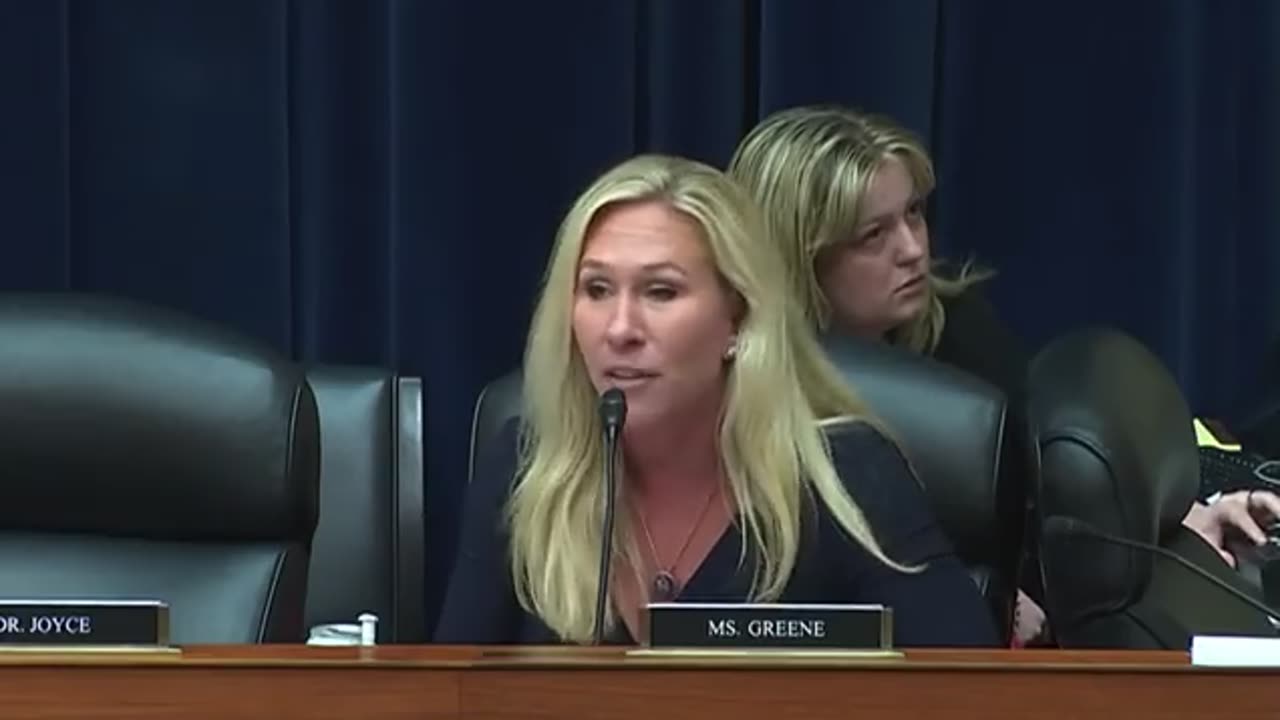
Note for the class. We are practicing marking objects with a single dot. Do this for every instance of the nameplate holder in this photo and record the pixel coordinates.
(762, 626)
(83, 624)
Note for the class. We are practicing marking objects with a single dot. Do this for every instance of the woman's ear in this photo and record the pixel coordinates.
(731, 351)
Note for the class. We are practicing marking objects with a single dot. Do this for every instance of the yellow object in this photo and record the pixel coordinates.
(1206, 438)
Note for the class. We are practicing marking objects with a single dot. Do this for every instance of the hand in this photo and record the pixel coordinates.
(1028, 621)
(1243, 512)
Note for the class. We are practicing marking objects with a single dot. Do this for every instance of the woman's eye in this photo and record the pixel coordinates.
(872, 238)
(662, 292)
(595, 289)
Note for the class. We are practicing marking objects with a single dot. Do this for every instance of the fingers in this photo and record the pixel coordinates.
(1029, 620)
(1263, 504)
(1200, 518)
(1260, 506)
(1206, 526)
(1231, 513)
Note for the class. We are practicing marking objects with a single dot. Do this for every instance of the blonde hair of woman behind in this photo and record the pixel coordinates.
(771, 442)
(809, 168)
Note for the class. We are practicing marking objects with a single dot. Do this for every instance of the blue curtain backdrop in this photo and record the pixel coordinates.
(378, 181)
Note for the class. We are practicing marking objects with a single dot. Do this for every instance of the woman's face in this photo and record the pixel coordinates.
(877, 279)
(651, 315)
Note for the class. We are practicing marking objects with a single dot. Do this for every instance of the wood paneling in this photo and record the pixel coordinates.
(496, 683)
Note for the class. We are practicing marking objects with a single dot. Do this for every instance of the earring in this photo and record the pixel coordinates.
(732, 351)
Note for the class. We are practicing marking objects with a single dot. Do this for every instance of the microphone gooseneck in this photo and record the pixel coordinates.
(613, 415)
(1060, 525)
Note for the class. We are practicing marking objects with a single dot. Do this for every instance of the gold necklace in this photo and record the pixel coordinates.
(664, 586)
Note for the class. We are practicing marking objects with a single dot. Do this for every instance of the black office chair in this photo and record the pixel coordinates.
(498, 404)
(955, 431)
(970, 455)
(1118, 455)
(369, 547)
(148, 455)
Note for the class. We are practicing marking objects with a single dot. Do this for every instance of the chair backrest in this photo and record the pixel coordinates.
(145, 454)
(956, 431)
(1118, 454)
(369, 546)
(498, 403)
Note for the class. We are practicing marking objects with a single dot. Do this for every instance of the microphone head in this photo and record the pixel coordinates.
(613, 408)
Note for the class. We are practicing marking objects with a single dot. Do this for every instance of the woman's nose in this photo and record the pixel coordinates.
(911, 243)
(624, 325)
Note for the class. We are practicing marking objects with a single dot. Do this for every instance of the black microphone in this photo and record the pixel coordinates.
(613, 414)
(1059, 525)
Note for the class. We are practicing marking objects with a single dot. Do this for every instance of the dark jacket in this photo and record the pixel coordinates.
(975, 340)
(937, 607)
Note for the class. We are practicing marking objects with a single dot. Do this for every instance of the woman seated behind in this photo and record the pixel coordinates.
(844, 194)
(733, 487)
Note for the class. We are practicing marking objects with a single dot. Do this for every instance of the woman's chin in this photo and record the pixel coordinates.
(644, 419)
(912, 306)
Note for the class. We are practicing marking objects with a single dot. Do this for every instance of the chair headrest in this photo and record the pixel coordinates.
(499, 403)
(952, 427)
(1116, 439)
(121, 418)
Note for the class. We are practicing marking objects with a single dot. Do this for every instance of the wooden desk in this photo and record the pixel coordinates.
(453, 682)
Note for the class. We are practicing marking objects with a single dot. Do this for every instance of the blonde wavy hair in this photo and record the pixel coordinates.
(778, 387)
(809, 168)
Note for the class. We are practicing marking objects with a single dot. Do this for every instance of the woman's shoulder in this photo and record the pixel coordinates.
(977, 340)
(850, 436)
(480, 604)
(870, 463)
(878, 477)
(496, 463)
(969, 310)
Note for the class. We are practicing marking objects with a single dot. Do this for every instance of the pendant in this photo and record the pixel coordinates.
(665, 587)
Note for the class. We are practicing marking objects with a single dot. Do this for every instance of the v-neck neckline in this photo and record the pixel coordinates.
(717, 577)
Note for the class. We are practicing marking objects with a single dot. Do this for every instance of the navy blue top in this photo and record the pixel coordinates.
(939, 606)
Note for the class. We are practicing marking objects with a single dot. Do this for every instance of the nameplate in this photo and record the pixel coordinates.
(774, 626)
(85, 623)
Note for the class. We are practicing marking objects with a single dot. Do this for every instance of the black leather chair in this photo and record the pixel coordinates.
(968, 452)
(147, 455)
(369, 547)
(1118, 455)
(498, 403)
(955, 432)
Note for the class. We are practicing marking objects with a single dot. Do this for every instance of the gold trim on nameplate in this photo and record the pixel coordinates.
(885, 651)
(81, 650)
(159, 607)
(765, 653)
